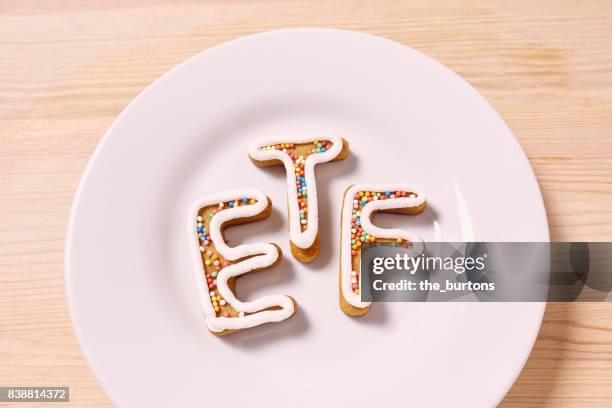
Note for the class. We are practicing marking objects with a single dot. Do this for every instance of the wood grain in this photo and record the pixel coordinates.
(67, 70)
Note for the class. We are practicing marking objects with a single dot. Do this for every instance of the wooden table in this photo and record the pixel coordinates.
(67, 70)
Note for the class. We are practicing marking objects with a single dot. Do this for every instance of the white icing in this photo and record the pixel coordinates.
(366, 211)
(302, 239)
(262, 256)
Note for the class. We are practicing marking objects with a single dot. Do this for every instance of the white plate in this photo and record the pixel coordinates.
(128, 268)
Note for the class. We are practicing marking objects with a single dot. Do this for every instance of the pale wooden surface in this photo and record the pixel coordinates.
(66, 71)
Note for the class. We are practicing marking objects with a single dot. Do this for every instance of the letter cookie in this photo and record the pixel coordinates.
(299, 155)
(222, 264)
(360, 204)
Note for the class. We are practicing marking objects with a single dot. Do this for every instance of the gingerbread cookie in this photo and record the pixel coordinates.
(300, 155)
(360, 204)
(218, 266)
